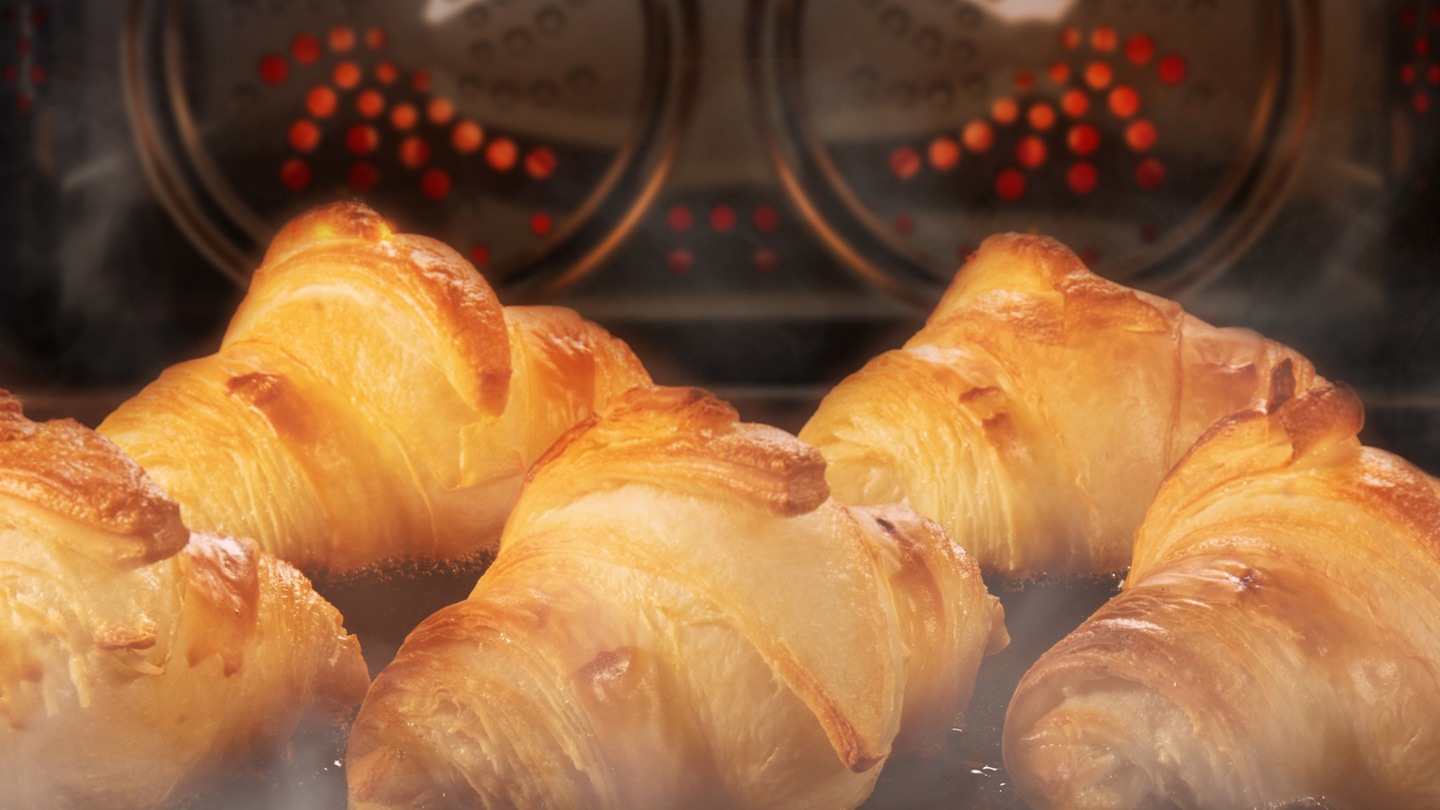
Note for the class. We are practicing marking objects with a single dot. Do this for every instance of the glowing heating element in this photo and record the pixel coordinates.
(20, 26)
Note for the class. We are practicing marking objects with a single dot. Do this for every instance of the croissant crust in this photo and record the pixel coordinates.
(1278, 636)
(135, 657)
(1036, 412)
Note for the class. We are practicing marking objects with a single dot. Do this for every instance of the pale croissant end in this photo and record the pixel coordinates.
(1036, 412)
(372, 400)
(135, 657)
(679, 616)
(1278, 637)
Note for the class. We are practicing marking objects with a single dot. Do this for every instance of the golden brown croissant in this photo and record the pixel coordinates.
(1278, 636)
(136, 657)
(1036, 412)
(679, 616)
(371, 400)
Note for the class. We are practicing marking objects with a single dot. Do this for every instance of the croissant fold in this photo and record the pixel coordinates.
(371, 401)
(1278, 636)
(135, 657)
(1036, 412)
(679, 616)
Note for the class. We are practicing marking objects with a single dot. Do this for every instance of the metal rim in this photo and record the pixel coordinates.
(1215, 231)
(232, 236)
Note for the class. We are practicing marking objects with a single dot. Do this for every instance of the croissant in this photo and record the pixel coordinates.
(136, 657)
(371, 400)
(1278, 636)
(1035, 413)
(679, 616)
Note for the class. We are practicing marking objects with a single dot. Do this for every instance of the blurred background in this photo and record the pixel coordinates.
(758, 195)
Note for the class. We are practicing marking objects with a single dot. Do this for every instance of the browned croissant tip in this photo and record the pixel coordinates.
(690, 426)
(1041, 287)
(74, 471)
(428, 270)
(348, 220)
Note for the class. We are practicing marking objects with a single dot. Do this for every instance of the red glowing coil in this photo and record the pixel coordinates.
(435, 184)
(305, 48)
(722, 218)
(679, 218)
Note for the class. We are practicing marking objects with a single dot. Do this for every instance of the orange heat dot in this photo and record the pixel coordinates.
(375, 38)
(1432, 74)
(37, 74)
(435, 184)
(1041, 116)
(679, 261)
(414, 152)
(1104, 39)
(1124, 102)
(1098, 75)
(304, 135)
(1070, 38)
(541, 224)
(1172, 69)
(1030, 152)
(273, 68)
(1421, 103)
(370, 103)
(1422, 46)
(1407, 17)
(295, 174)
(1005, 111)
(363, 177)
(1407, 75)
(362, 139)
(904, 162)
(440, 111)
(386, 73)
(1083, 139)
(722, 218)
(502, 154)
(765, 261)
(403, 116)
(905, 224)
(1059, 72)
(944, 154)
(1010, 184)
(347, 75)
(978, 136)
(1433, 17)
(1141, 136)
(1024, 80)
(1150, 175)
(321, 102)
(765, 219)
(1082, 178)
(1140, 49)
(679, 218)
(420, 80)
(479, 254)
(1075, 103)
(467, 136)
(540, 162)
(305, 48)
(342, 39)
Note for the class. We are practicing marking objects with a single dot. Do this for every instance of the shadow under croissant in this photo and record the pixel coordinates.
(382, 605)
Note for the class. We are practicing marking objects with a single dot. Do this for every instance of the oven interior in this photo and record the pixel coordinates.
(758, 196)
